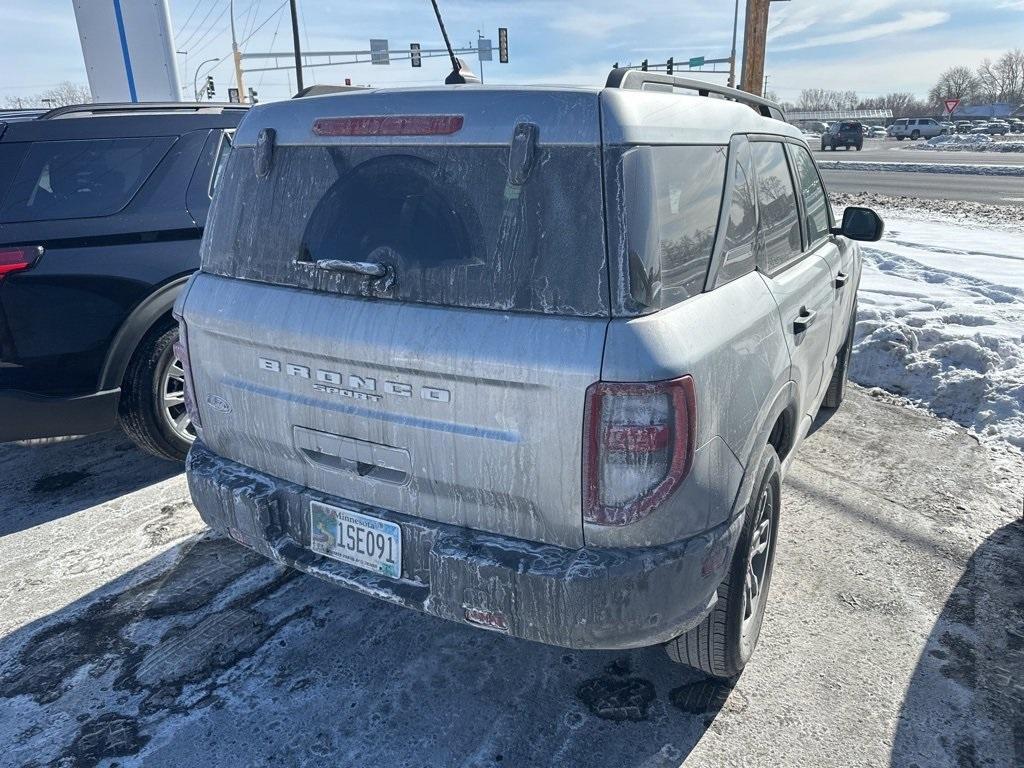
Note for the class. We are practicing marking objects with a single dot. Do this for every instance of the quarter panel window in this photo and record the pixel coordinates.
(780, 241)
(81, 179)
(815, 201)
(741, 228)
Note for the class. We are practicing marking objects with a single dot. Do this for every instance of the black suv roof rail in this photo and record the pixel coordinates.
(144, 106)
(636, 79)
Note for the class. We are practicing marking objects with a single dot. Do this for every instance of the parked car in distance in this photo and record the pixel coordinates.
(102, 207)
(875, 132)
(1016, 125)
(845, 133)
(994, 128)
(915, 128)
(964, 126)
(403, 387)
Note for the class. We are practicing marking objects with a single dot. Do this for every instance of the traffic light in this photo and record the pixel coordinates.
(253, 96)
(503, 45)
(210, 90)
(669, 65)
(414, 55)
(643, 65)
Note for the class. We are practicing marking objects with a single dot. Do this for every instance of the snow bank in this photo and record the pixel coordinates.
(941, 322)
(970, 142)
(963, 168)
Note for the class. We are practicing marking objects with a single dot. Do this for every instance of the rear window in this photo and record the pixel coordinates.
(665, 222)
(80, 179)
(452, 223)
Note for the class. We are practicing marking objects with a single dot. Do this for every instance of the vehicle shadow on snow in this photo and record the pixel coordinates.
(974, 657)
(210, 655)
(45, 480)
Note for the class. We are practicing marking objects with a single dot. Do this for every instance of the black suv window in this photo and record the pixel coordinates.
(815, 202)
(81, 179)
(780, 220)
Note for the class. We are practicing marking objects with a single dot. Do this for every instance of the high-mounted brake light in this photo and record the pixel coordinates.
(388, 125)
(19, 258)
(638, 442)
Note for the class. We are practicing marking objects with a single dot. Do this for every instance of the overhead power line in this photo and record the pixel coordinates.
(264, 22)
(184, 26)
(200, 26)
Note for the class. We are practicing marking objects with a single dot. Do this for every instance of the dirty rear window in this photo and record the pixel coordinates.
(450, 223)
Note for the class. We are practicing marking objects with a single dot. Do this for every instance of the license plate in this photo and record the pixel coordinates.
(357, 539)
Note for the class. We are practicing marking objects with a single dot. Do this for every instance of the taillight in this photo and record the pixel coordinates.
(637, 447)
(389, 125)
(19, 258)
(181, 352)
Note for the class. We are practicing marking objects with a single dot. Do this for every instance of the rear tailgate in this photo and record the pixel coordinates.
(455, 394)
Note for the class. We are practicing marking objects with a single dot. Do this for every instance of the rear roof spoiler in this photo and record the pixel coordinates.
(636, 79)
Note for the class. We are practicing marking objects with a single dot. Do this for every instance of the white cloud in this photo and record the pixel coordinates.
(907, 22)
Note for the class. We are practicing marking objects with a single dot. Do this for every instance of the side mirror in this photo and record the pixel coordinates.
(861, 224)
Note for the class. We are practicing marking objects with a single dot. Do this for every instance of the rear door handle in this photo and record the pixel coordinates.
(841, 280)
(803, 320)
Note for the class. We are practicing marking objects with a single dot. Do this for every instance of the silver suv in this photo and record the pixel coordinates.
(917, 128)
(530, 359)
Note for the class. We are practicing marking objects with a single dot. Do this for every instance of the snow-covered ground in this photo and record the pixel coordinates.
(941, 321)
(971, 142)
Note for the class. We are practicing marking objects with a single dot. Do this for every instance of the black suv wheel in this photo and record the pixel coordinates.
(152, 406)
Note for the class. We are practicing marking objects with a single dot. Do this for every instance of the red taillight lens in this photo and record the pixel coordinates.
(388, 125)
(19, 258)
(638, 442)
(181, 352)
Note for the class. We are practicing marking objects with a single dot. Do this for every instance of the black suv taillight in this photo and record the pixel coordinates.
(18, 258)
(638, 442)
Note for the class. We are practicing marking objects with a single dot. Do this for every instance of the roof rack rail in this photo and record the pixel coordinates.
(142, 106)
(637, 79)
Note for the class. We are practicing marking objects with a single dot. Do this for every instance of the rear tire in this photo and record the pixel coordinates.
(148, 387)
(836, 392)
(722, 644)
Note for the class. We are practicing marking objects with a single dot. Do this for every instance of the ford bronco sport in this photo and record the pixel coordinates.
(530, 359)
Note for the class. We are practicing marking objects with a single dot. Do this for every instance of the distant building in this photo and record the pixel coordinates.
(999, 109)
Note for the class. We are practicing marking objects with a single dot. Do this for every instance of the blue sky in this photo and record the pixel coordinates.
(871, 46)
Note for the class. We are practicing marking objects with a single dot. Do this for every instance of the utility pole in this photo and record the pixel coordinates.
(732, 56)
(237, 55)
(295, 44)
(754, 38)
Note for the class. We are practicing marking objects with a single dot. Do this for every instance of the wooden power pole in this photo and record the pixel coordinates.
(754, 38)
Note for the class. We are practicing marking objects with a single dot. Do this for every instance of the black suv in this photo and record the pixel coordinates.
(847, 133)
(102, 208)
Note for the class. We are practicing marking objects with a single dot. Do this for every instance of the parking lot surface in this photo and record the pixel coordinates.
(894, 636)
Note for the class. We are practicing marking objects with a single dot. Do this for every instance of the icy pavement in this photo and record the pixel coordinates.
(894, 633)
(941, 321)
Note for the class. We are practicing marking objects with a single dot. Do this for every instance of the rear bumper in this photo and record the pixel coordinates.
(27, 416)
(576, 598)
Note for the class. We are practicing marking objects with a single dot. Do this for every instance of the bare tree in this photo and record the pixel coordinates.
(61, 96)
(1002, 80)
(954, 83)
(821, 98)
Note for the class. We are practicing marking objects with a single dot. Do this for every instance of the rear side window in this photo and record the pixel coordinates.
(780, 220)
(671, 198)
(741, 228)
(454, 226)
(81, 179)
(815, 202)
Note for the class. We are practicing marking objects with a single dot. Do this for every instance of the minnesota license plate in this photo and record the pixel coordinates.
(357, 539)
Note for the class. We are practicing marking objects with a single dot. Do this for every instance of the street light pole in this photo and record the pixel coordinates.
(237, 55)
(295, 43)
(195, 78)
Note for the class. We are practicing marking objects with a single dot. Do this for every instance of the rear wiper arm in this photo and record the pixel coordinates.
(380, 277)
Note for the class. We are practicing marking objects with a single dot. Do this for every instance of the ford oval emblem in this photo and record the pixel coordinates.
(218, 403)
